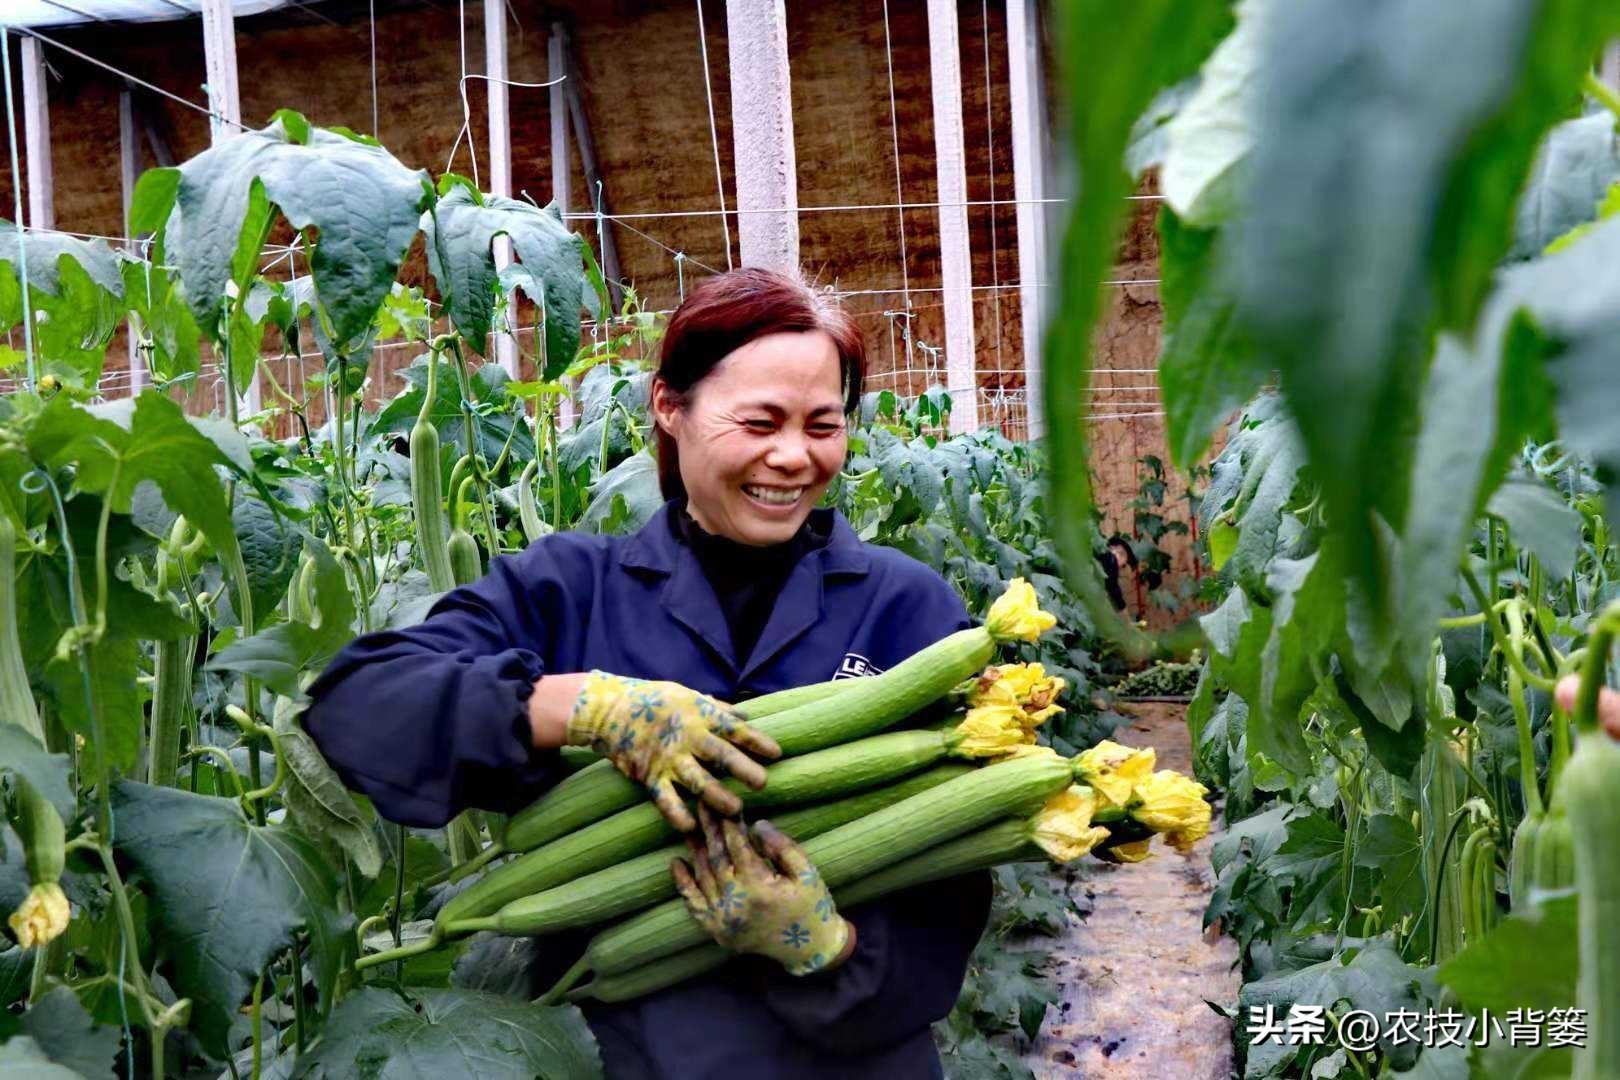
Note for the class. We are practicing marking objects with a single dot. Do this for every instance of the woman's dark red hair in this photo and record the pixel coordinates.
(725, 312)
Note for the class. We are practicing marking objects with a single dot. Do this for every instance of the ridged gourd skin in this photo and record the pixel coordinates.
(882, 701)
(1589, 791)
(427, 493)
(826, 774)
(645, 880)
(1005, 841)
(465, 565)
(852, 851)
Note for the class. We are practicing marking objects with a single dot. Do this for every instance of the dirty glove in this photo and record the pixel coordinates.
(773, 905)
(657, 732)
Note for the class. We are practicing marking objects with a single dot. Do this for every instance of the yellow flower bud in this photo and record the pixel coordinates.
(1063, 829)
(1172, 803)
(1115, 770)
(1016, 615)
(43, 914)
(989, 730)
(1133, 852)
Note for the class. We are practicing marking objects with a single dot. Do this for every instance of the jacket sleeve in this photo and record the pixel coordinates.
(911, 949)
(432, 719)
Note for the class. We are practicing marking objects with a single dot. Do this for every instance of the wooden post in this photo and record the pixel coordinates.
(595, 189)
(762, 134)
(225, 103)
(1610, 70)
(129, 167)
(500, 158)
(956, 260)
(1029, 171)
(37, 137)
(557, 69)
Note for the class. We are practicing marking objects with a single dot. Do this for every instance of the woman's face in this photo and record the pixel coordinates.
(761, 436)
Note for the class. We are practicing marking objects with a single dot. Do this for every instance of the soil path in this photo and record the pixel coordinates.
(1136, 971)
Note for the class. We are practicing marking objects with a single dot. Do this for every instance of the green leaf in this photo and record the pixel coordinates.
(359, 203)
(270, 548)
(632, 482)
(287, 654)
(22, 1059)
(1577, 163)
(1307, 604)
(114, 663)
(1375, 980)
(1253, 482)
(120, 445)
(460, 232)
(1478, 409)
(1541, 521)
(316, 799)
(1207, 367)
(378, 1033)
(1564, 310)
(1117, 57)
(1393, 848)
(47, 773)
(228, 896)
(1212, 133)
(1392, 140)
(44, 252)
(1529, 960)
(67, 1035)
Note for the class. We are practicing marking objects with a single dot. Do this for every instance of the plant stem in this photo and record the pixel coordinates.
(1606, 97)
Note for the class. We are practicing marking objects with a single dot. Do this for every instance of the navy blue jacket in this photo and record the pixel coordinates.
(430, 720)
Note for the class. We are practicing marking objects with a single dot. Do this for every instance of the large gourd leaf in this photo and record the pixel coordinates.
(461, 230)
(75, 291)
(228, 896)
(1118, 58)
(316, 799)
(381, 1035)
(1209, 136)
(624, 497)
(1563, 310)
(361, 202)
(284, 656)
(1577, 164)
(1392, 140)
(1207, 366)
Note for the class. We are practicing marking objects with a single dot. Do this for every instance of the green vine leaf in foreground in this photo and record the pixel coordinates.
(228, 896)
(1575, 167)
(381, 1035)
(215, 210)
(1118, 56)
(1393, 138)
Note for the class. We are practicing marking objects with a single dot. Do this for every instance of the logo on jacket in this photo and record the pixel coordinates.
(854, 665)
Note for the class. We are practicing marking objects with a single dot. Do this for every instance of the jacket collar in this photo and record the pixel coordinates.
(653, 547)
(689, 598)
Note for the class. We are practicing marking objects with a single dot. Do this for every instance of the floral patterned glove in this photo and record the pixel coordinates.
(773, 905)
(657, 733)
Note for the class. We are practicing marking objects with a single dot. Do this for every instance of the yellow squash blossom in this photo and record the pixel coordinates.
(1184, 839)
(989, 730)
(1063, 829)
(1115, 770)
(1016, 615)
(43, 914)
(1172, 803)
(1133, 852)
(1027, 749)
(1026, 685)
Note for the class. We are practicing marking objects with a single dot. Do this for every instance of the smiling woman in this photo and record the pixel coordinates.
(756, 376)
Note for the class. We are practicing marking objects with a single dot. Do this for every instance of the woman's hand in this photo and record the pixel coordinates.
(658, 733)
(1608, 706)
(773, 905)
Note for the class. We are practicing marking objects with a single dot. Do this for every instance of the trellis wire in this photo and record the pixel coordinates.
(714, 136)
